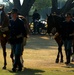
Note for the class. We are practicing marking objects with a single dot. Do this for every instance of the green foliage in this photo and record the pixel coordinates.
(40, 4)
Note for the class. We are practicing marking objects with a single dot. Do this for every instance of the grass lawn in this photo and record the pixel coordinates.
(39, 59)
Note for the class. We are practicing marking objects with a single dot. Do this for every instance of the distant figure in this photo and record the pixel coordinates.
(35, 17)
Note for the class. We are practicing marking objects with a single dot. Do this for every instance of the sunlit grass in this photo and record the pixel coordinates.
(39, 62)
(39, 59)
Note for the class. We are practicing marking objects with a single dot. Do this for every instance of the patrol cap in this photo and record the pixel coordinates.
(14, 10)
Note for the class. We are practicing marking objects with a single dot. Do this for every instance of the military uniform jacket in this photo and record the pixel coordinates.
(17, 31)
(66, 30)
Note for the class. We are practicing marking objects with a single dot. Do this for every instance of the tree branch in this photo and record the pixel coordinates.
(68, 5)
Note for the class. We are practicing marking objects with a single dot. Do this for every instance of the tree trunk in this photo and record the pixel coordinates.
(68, 5)
(25, 8)
(54, 5)
(27, 4)
(17, 4)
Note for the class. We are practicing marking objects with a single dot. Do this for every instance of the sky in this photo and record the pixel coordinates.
(20, 0)
(11, 1)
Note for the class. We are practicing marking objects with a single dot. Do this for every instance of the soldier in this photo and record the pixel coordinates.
(35, 17)
(17, 33)
(66, 30)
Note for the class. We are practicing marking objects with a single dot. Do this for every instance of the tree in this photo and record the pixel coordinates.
(68, 6)
(27, 4)
(54, 5)
(8, 7)
(25, 7)
(41, 4)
